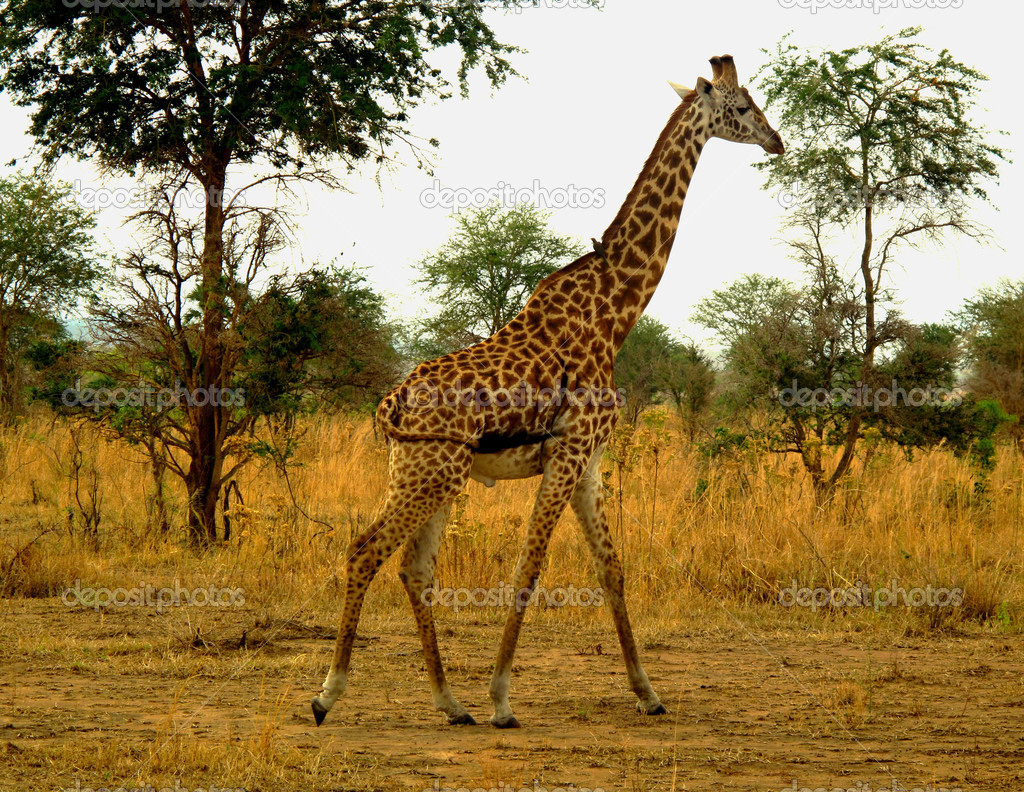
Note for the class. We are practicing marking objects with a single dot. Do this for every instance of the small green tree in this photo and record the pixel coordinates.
(483, 275)
(642, 365)
(924, 360)
(780, 341)
(792, 368)
(53, 359)
(752, 318)
(47, 266)
(689, 380)
(993, 324)
(316, 339)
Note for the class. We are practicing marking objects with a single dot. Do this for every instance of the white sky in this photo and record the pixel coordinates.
(589, 113)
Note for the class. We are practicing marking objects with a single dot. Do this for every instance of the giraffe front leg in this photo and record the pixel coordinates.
(588, 505)
(555, 490)
(417, 573)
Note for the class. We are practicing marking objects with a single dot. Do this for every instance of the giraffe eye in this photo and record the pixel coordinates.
(742, 110)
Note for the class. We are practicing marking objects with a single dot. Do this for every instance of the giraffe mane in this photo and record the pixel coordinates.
(590, 257)
(649, 165)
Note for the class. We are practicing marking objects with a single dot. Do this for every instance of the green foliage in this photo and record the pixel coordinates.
(51, 358)
(925, 368)
(1004, 617)
(794, 368)
(159, 86)
(47, 266)
(652, 363)
(738, 311)
(724, 442)
(319, 335)
(641, 365)
(483, 275)
(882, 149)
(995, 319)
(689, 380)
(886, 124)
(986, 418)
(46, 249)
(779, 336)
(993, 325)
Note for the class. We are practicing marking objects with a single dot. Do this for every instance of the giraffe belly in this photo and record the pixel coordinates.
(512, 463)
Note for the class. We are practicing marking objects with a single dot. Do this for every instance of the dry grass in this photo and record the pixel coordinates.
(705, 541)
(708, 547)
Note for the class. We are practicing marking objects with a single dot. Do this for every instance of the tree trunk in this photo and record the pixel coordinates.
(7, 383)
(158, 466)
(207, 419)
(870, 343)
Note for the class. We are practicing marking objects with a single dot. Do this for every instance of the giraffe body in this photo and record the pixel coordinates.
(537, 399)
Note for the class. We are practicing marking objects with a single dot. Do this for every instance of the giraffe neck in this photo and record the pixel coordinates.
(640, 238)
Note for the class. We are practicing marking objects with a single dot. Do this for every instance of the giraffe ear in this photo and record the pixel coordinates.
(682, 90)
(704, 87)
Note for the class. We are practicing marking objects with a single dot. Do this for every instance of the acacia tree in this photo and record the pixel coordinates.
(793, 352)
(183, 91)
(483, 275)
(46, 266)
(881, 148)
(781, 338)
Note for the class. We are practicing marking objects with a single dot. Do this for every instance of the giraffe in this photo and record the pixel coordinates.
(537, 399)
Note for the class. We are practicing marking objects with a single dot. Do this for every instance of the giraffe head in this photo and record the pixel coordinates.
(730, 112)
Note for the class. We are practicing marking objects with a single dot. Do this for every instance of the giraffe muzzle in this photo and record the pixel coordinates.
(773, 145)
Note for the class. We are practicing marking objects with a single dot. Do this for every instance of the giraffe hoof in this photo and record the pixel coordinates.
(506, 723)
(657, 709)
(465, 719)
(319, 711)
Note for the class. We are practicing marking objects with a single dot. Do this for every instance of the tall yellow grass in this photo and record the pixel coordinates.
(700, 540)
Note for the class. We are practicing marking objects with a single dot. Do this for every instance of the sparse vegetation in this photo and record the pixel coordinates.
(707, 552)
(164, 631)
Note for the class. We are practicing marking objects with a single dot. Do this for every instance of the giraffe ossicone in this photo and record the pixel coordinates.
(534, 400)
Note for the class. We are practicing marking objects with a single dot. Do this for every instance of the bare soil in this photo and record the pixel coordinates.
(100, 699)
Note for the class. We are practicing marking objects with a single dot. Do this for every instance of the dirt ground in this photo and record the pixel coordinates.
(99, 700)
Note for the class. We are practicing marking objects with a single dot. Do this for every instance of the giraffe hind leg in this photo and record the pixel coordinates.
(560, 476)
(417, 573)
(588, 504)
(424, 477)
